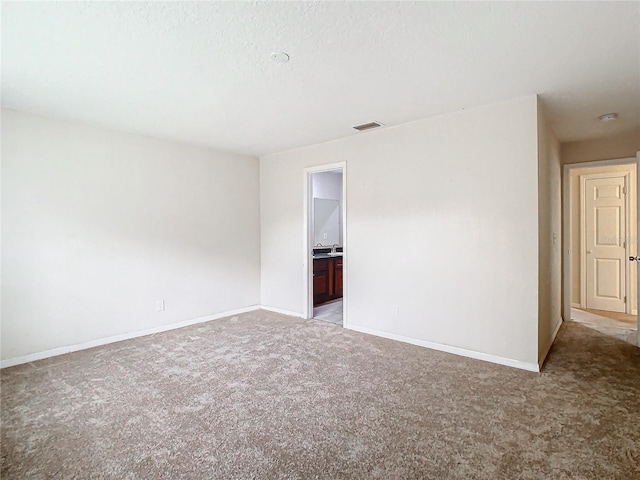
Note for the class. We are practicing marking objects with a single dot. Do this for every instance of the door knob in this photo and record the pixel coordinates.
(633, 259)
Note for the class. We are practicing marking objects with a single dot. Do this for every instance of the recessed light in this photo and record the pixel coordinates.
(279, 57)
(608, 117)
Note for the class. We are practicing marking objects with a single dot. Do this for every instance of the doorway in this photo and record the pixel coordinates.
(325, 251)
(600, 225)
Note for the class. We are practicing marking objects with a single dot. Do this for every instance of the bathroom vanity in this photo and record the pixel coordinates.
(327, 277)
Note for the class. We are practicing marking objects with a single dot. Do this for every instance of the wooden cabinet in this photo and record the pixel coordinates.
(338, 278)
(321, 280)
(327, 279)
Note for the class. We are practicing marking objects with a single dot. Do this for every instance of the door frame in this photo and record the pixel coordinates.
(566, 225)
(307, 260)
(583, 240)
(638, 239)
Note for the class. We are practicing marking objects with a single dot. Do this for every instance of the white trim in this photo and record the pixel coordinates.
(575, 305)
(10, 362)
(566, 227)
(553, 339)
(307, 251)
(637, 162)
(345, 250)
(583, 243)
(307, 246)
(566, 244)
(281, 311)
(531, 367)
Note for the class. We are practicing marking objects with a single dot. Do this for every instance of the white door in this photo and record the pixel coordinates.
(605, 221)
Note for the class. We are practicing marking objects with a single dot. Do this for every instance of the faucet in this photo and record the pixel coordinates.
(333, 248)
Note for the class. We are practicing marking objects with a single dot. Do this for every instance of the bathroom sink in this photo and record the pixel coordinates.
(327, 255)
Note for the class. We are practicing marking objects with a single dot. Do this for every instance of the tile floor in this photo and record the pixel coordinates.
(329, 312)
(623, 327)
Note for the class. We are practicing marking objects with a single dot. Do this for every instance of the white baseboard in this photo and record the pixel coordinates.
(283, 312)
(10, 362)
(634, 311)
(531, 367)
(556, 329)
(576, 305)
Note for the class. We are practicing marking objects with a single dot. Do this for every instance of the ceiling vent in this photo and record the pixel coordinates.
(367, 126)
(608, 117)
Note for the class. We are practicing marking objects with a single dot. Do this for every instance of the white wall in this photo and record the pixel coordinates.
(97, 225)
(328, 185)
(549, 236)
(605, 148)
(442, 221)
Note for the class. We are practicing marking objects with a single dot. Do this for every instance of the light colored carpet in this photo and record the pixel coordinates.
(262, 395)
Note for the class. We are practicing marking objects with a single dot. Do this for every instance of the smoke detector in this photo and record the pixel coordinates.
(608, 117)
(279, 57)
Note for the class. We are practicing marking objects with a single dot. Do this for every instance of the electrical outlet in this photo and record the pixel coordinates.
(325, 236)
(159, 305)
(394, 310)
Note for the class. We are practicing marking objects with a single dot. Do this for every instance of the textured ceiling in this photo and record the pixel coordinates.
(200, 72)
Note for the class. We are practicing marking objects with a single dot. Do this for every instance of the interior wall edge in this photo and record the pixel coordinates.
(543, 358)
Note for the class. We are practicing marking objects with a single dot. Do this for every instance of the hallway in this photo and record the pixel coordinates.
(617, 325)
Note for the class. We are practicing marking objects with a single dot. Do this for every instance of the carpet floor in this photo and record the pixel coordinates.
(261, 395)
